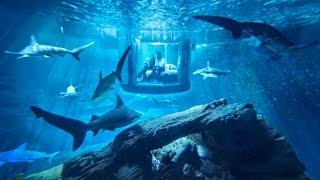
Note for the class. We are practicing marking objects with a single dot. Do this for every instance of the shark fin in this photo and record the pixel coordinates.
(264, 21)
(119, 102)
(95, 132)
(9, 52)
(22, 147)
(94, 117)
(229, 24)
(121, 63)
(306, 45)
(79, 86)
(2, 163)
(155, 100)
(76, 52)
(23, 56)
(33, 40)
(208, 64)
(76, 128)
(76, 56)
(197, 71)
(64, 96)
(100, 77)
(53, 155)
(204, 77)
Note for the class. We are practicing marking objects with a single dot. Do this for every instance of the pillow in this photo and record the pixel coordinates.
(170, 67)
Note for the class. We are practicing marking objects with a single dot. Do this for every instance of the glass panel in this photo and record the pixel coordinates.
(157, 64)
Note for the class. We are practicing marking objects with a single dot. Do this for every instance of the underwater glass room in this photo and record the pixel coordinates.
(174, 48)
(159, 89)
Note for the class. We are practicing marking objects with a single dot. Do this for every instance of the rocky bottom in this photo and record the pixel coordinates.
(213, 141)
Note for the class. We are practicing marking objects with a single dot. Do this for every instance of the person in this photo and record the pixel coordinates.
(147, 66)
(159, 66)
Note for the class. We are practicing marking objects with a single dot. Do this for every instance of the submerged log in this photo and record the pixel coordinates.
(238, 139)
(50, 174)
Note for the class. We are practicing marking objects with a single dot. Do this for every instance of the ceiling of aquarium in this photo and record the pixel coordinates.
(172, 14)
(175, 14)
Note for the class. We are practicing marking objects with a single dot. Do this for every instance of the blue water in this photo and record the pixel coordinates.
(286, 92)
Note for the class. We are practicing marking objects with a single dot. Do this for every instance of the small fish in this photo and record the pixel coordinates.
(46, 51)
(20, 154)
(61, 30)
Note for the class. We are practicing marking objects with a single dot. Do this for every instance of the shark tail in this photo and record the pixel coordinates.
(121, 63)
(155, 100)
(53, 155)
(76, 52)
(9, 52)
(227, 23)
(76, 128)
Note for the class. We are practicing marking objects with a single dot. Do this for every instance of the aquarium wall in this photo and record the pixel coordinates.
(285, 91)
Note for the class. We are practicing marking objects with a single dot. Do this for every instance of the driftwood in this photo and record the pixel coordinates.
(235, 139)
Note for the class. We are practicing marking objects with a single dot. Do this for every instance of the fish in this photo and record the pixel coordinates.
(47, 51)
(211, 72)
(168, 102)
(116, 118)
(71, 91)
(269, 36)
(20, 154)
(106, 84)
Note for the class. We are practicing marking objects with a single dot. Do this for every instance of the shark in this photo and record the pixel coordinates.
(106, 84)
(211, 72)
(20, 154)
(168, 102)
(47, 51)
(269, 36)
(71, 91)
(116, 118)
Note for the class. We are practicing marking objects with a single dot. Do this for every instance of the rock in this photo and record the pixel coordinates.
(187, 154)
(251, 147)
(181, 162)
(50, 174)
(141, 169)
(233, 139)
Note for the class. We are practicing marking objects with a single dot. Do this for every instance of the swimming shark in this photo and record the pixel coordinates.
(20, 154)
(167, 102)
(106, 84)
(71, 91)
(211, 72)
(269, 36)
(119, 117)
(46, 51)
